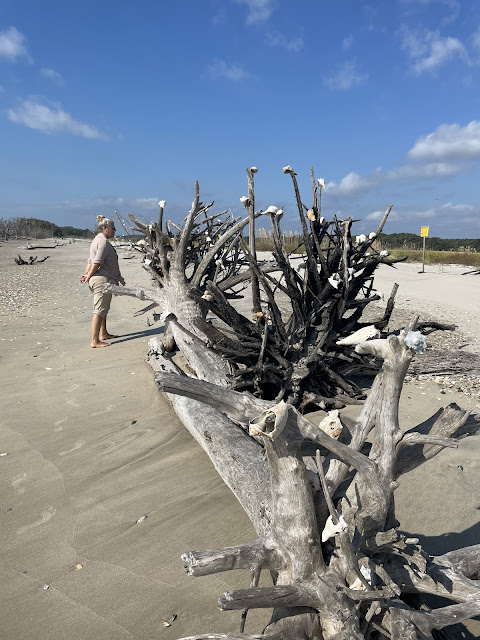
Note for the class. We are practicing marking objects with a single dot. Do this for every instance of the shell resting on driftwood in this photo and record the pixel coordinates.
(362, 335)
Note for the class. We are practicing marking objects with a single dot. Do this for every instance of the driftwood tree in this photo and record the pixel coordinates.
(339, 565)
(32, 260)
(323, 507)
(295, 345)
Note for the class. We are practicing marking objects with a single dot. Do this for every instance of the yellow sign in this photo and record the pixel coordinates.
(424, 232)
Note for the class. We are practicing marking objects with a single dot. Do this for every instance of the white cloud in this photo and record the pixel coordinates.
(447, 152)
(353, 184)
(453, 5)
(431, 51)
(233, 72)
(258, 10)
(476, 39)
(411, 173)
(12, 44)
(443, 214)
(52, 75)
(277, 39)
(51, 120)
(347, 77)
(147, 202)
(448, 142)
(347, 42)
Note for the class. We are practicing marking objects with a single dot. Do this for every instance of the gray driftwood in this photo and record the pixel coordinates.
(320, 589)
(366, 579)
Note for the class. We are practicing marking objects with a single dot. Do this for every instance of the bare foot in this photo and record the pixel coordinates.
(108, 336)
(96, 345)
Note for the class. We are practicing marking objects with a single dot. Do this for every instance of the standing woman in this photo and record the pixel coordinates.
(102, 267)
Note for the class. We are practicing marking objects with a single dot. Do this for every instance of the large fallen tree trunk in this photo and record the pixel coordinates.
(323, 507)
(341, 568)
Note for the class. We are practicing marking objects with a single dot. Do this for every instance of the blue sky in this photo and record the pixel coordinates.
(110, 106)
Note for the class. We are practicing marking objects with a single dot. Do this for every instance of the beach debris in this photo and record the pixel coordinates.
(4, 453)
(79, 566)
(46, 587)
(141, 519)
(168, 622)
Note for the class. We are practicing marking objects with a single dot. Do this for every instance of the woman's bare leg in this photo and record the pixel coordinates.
(104, 335)
(97, 322)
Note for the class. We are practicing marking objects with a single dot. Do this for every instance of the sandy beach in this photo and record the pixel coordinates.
(89, 447)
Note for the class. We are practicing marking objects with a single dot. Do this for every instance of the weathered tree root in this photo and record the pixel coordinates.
(357, 583)
(291, 350)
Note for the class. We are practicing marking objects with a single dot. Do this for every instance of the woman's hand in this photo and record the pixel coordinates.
(85, 277)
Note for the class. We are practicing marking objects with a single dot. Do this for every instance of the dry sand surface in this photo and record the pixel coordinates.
(88, 447)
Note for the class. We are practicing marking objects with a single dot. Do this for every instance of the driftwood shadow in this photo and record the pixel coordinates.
(135, 335)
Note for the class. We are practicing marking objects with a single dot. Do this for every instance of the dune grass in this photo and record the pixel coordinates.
(467, 258)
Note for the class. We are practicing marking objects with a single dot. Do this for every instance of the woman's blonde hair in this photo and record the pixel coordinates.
(103, 222)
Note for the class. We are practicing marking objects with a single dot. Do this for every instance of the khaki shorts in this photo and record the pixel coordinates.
(101, 300)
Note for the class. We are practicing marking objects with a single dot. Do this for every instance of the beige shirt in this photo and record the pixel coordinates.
(102, 253)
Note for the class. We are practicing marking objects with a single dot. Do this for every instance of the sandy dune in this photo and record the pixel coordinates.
(89, 447)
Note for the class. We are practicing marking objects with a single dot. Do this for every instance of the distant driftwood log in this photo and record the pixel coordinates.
(31, 260)
(320, 498)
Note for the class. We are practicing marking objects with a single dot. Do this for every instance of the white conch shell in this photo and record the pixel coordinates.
(261, 425)
(416, 341)
(362, 335)
(330, 530)
(331, 424)
(271, 209)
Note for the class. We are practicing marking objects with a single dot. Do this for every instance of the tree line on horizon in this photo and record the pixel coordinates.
(36, 228)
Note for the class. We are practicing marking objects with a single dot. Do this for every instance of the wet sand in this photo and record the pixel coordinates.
(90, 447)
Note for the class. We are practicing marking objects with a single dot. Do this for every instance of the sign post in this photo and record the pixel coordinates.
(424, 234)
